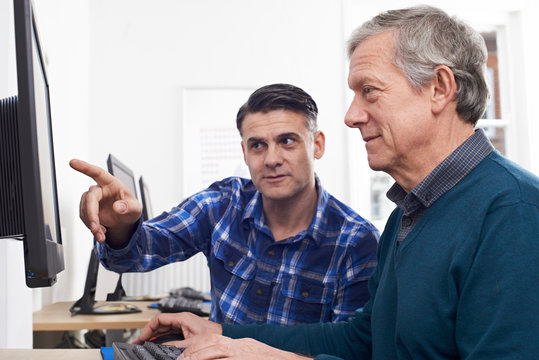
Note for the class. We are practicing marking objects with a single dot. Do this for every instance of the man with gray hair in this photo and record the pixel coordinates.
(457, 274)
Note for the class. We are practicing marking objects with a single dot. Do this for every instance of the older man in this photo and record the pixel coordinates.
(457, 274)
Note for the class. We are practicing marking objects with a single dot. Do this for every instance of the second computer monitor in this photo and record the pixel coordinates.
(123, 173)
(147, 212)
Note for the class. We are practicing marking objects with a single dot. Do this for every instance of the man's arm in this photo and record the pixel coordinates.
(498, 314)
(108, 209)
(349, 339)
(203, 339)
(353, 291)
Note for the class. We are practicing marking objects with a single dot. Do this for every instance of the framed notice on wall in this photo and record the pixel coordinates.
(210, 140)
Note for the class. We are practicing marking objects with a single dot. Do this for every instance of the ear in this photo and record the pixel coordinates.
(243, 150)
(319, 144)
(444, 88)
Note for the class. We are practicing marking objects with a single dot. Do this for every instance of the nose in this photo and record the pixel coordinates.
(356, 114)
(273, 156)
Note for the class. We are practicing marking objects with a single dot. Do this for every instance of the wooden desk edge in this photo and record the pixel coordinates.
(56, 317)
(52, 354)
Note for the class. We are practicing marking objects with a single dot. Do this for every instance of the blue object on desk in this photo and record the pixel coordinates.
(154, 306)
(107, 353)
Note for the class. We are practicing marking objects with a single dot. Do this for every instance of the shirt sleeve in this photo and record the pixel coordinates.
(172, 236)
(353, 291)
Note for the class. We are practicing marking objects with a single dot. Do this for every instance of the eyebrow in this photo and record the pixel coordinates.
(288, 135)
(256, 139)
(252, 140)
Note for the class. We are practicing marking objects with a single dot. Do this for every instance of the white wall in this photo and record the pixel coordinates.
(15, 297)
(144, 55)
(117, 70)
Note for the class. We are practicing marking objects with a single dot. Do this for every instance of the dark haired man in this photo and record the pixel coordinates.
(280, 249)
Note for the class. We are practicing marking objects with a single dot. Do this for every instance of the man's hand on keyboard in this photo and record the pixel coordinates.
(186, 323)
(206, 347)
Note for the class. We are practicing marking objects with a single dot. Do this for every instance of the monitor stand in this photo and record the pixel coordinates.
(86, 304)
(119, 292)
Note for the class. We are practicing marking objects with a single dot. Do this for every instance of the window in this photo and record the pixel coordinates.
(492, 122)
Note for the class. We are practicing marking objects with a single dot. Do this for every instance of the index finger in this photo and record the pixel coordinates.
(100, 176)
(158, 325)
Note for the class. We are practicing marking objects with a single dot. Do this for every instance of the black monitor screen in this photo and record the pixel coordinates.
(29, 206)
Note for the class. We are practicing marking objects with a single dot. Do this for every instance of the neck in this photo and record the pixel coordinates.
(286, 218)
(420, 165)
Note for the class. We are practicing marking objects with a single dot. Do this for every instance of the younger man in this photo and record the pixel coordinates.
(280, 249)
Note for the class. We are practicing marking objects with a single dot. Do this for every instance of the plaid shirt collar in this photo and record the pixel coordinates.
(446, 175)
(254, 214)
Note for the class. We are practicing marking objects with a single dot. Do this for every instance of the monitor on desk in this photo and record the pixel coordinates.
(126, 176)
(28, 193)
(86, 304)
(147, 212)
(122, 172)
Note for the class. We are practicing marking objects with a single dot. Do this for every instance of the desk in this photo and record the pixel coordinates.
(50, 354)
(56, 317)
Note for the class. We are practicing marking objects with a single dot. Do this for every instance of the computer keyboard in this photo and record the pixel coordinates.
(190, 293)
(147, 351)
(173, 304)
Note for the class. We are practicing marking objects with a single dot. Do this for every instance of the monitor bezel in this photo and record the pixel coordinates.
(43, 258)
(113, 161)
(147, 211)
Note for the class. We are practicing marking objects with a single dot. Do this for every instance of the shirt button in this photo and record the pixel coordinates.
(407, 221)
(230, 263)
(305, 294)
(259, 291)
(271, 252)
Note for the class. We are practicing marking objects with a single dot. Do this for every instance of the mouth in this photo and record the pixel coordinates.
(274, 177)
(369, 138)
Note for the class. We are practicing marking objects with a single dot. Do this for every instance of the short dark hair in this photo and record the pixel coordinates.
(280, 97)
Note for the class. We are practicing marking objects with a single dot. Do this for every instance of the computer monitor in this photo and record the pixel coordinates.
(86, 304)
(122, 172)
(147, 212)
(125, 174)
(28, 192)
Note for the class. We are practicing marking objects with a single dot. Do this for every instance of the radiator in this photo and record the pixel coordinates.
(192, 272)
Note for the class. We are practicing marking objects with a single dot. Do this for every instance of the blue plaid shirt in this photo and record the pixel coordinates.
(318, 275)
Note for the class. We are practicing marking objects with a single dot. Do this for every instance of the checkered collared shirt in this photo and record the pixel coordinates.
(318, 275)
(446, 175)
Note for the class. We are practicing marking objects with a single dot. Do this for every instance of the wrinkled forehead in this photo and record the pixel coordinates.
(374, 53)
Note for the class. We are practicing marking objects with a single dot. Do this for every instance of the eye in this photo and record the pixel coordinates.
(256, 145)
(367, 90)
(369, 93)
(288, 141)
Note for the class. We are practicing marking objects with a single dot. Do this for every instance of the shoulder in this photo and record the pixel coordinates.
(230, 188)
(505, 182)
(342, 218)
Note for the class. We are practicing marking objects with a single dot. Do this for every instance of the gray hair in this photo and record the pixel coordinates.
(426, 37)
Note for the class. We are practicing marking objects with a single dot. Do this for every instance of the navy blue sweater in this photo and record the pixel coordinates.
(464, 284)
